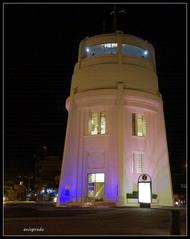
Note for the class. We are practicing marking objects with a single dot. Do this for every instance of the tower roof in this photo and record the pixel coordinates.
(106, 59)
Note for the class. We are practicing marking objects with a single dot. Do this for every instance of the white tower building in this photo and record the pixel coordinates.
(115, 129)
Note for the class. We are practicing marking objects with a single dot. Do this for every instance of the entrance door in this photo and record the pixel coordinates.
(96, 186)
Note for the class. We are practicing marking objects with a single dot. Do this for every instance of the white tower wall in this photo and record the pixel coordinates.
(119, 85)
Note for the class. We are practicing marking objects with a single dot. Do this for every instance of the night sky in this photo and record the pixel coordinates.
(40, 49)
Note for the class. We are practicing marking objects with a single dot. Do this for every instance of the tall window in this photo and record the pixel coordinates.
(102, 123)
(138, 158)
(138, 124)
(97, 123)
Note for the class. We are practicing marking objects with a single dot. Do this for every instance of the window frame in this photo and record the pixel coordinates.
(138, 129)
(105, 49)
(90, 173)
(100, 130)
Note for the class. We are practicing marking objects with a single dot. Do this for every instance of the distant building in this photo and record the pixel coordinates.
(16, 180)
(47, 171)
(14, 191)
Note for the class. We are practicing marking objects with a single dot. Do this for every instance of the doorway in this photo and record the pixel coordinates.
(96, 186)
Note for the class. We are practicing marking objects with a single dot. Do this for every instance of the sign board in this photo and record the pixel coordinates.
(144, 190)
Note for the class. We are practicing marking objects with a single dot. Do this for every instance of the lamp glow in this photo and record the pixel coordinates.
(55, 199)
(109, 45)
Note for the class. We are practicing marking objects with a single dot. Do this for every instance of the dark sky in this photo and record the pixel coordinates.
(40, 50)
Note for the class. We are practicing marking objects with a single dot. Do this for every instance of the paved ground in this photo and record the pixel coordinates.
(43, 219)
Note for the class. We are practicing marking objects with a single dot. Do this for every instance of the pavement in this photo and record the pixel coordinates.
(46, 219)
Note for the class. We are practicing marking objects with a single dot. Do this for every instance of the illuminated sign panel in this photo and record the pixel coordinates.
(144, 191)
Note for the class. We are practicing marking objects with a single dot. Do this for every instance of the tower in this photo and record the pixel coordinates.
(115, 129)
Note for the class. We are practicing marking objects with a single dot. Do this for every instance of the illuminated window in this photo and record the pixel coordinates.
(138, 124)
(96, 186)
(109, 45)
(101, 49)
(97, 123)
(138, 158)
(130, 50)
(93, 123)
(102, 123)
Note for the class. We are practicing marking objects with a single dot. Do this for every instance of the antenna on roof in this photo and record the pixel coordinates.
(115, 13)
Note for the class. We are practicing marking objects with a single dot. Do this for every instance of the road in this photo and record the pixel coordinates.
(46, 219)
